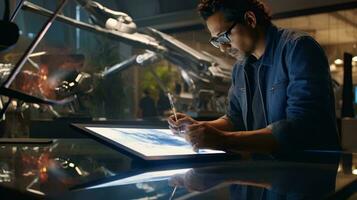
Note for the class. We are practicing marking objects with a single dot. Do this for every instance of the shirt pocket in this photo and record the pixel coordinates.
(279, 85)
(277, 100)
(241, 92)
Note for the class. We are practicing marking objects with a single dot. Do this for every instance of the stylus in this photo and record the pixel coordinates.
(173, 193)
(172, 105)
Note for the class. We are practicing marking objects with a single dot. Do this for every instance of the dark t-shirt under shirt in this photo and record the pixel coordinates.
(255, 115)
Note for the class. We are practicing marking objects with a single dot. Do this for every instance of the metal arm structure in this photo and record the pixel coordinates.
(84, 82)
(207, 76)
(5, 87)
(142, 60)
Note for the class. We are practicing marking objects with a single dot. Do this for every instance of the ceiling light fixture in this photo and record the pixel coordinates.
(338, 61)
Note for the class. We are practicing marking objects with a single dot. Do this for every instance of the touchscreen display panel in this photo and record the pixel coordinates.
(150, 142)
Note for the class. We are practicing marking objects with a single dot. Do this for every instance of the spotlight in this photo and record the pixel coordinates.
(338, 61)
(354, 59)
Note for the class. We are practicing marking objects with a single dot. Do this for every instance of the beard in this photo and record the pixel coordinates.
(247, 48)
(237, 54)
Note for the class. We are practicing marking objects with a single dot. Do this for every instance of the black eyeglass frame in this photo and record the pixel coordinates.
(223, 38)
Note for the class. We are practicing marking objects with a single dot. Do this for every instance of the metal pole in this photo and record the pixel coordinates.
(19, 65)
(6, 15)
(3, 110)
(120, 66)
(18, 7)
(32, 47)
(137, 40)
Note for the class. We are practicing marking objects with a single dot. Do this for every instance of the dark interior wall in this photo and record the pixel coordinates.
(1, 8)
(281, 6)
(165, 15)
(175, 14)
(151, 12)
(30, 24)
(149, 8)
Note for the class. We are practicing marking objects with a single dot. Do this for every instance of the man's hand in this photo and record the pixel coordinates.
(202, 135)
(194, 180)
(182, 122)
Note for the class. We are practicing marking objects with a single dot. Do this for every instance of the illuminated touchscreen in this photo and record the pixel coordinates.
(150, 142)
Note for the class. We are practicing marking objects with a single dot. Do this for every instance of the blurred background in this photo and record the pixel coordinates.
(135, 93)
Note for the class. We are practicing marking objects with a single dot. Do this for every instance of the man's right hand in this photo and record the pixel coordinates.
(182, 122)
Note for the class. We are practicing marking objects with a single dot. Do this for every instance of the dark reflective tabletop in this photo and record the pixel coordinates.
(86, 169)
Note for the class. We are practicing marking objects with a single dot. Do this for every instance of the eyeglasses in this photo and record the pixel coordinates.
(222, 38)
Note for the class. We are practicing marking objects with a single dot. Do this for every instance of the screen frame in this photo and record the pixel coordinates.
(135, 154)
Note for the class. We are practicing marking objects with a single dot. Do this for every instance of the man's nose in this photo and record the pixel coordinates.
(224, 47)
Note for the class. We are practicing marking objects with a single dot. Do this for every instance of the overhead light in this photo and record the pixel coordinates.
(338, 61)
(354, 59)
(354, 171)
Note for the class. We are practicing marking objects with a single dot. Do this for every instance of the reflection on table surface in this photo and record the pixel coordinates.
(53, 168)
(85, 169)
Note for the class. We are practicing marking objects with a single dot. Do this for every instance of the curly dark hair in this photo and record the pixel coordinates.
(234, 10)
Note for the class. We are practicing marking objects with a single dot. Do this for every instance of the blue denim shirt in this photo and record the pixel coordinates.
(295, 85)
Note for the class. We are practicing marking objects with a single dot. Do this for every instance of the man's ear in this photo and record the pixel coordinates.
(250, 19)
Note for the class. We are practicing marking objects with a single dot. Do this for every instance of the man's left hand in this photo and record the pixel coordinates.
(202, 135)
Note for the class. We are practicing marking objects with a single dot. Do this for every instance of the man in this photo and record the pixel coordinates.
(147, 106)
(162, 104)
(281, 95)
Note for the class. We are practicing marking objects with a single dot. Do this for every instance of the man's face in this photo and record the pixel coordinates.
(243, 37)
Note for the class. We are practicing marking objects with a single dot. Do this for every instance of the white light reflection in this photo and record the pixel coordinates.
(354, 171)
(144, 177)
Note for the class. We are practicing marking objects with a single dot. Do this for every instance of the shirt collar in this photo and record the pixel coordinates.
(268, 55)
